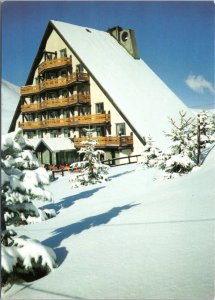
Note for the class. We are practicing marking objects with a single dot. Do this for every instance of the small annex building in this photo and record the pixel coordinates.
(85, 78)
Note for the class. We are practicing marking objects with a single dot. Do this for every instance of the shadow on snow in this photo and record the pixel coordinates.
(65, 232)
(120, 174)
(70, 200)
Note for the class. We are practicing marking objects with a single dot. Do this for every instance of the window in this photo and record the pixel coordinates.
(120, 129)
(80, 68)
(83, 89)
(82, 132)
(124, 36)
(30, 134)
(39, 117)
(54, 133)
(66, 133)
(63, 73)
(49, 56)
(63, 53)
(84, 110)
(29, 117)
(51, 75)
(54, 114)
(100, 131)
(65, 93)
(100, 108)
(52, 95)
(40, 134)
(66, 113)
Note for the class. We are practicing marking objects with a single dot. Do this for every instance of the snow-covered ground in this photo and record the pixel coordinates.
(129, 238)
(9, 101)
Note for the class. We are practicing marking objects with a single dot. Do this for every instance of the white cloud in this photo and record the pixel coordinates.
(199, 84)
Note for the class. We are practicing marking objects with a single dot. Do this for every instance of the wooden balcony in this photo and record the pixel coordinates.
(57, 103)
(107, 141)
(54, 63)
(64, 122)
(54, 83)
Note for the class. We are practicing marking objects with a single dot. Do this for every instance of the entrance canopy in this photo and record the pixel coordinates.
(55, 144)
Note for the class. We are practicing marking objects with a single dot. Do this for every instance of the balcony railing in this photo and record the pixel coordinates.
(57, 102)
(54, 63)
(106, 141)
(54, 83)
(71, 121)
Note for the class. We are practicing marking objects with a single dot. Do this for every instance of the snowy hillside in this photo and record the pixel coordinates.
(9, 101)
(129, 238)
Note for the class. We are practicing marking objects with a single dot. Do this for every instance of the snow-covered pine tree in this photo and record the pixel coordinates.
(92, 170)
(149, 154)
(203, 130)
(25, 259)
(181, 136)
(213, 121)
(180, 157)
(22, 181)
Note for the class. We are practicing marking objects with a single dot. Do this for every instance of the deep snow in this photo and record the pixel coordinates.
(130, 238)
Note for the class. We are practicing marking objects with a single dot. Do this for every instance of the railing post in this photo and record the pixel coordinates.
(53, 176)
(62, 172)
(129, 160)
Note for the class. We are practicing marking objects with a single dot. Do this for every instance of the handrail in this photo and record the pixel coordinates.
(111, 162)
(53, 83)
(57, 62)
(75, 120)
(104, 141)
(56, 102)
(108, 162)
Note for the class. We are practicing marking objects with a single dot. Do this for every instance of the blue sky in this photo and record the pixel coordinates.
(176, 39)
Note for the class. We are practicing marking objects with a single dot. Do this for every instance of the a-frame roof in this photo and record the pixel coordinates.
(141, 97)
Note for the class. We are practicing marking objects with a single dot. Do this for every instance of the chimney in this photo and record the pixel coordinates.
(125, 38)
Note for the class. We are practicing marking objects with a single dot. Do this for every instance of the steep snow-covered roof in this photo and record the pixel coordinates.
(9, 101)
(34, 142)
(56, 144)
(140, 95)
